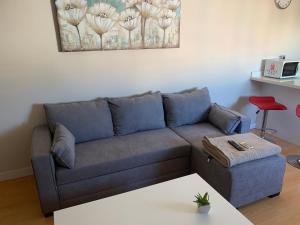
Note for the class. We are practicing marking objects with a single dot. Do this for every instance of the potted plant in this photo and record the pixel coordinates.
(202, 202)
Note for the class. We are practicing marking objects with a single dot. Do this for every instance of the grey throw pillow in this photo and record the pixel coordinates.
(223, 119)
(88, 120)
(189, 107)
(137, 113)
(63, 147)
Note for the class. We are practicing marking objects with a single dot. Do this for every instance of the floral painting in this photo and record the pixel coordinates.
(118, 24)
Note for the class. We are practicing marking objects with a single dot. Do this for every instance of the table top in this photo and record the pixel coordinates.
(290, 82)
(167, 203)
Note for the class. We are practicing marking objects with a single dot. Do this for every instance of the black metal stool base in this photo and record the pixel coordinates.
(267, 135)
(293, 160)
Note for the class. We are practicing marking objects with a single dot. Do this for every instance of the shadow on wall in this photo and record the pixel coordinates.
(243, 106)
(17, 141)
(241, 103)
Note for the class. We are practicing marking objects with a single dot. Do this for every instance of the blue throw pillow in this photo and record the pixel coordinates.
(185, 108)
(87, 120)
(137, 113)
(63, 147)
(223, 119)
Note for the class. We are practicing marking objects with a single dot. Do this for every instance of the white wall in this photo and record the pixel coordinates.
(221, 43)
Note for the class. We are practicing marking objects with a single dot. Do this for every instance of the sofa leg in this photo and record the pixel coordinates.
(48, 214)
(275, 195)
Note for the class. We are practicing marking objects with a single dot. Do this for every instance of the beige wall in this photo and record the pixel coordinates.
(222, 41)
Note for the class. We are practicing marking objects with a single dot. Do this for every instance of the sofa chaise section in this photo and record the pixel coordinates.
(241, 184)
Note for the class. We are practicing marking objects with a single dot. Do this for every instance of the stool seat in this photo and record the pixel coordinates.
(298, 110)
(293, 159)
(266, 103)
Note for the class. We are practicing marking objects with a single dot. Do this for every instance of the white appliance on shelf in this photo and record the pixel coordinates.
(281, 68)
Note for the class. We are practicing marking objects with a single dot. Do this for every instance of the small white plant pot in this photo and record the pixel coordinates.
(204, 209)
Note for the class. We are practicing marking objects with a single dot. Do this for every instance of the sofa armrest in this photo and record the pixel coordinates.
(245, 123)
(44, 169)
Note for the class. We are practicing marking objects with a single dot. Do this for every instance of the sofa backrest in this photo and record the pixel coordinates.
(188, 107)
(87, 120)
(137, 113)
(103, 118)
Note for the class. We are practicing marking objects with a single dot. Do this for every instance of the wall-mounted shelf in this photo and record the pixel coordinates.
(291, 82)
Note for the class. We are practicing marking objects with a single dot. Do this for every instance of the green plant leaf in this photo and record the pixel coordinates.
(202, 200)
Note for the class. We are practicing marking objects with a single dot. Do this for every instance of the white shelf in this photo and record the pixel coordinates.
(290, 83)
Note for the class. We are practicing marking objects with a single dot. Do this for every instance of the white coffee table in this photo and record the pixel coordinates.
(168, 203)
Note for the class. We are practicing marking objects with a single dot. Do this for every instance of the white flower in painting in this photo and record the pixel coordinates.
(101, 18)
(149, 8)
(72, 11)
(172, 4)
(129, 19)
(165, 18)
(131, 3)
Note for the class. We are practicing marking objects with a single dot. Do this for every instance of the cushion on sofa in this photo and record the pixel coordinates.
(224, 119)
(195, 133)
(88, 120)
(63, 147)
(119, 153)
(137, 113)
(190, 107)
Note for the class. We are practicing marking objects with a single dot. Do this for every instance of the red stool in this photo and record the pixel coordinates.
(294, 160)
(266, 103)
(298, 110)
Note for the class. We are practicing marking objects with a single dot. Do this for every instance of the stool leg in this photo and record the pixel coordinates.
(264, 124)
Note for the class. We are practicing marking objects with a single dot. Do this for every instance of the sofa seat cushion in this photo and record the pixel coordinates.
(119, 153)
(194, 133)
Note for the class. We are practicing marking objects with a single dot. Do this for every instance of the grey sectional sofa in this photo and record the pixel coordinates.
(131, 142)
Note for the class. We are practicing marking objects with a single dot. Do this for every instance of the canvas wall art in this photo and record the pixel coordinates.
(85, 25)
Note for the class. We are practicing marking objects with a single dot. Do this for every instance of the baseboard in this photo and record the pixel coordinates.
(13, 174)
